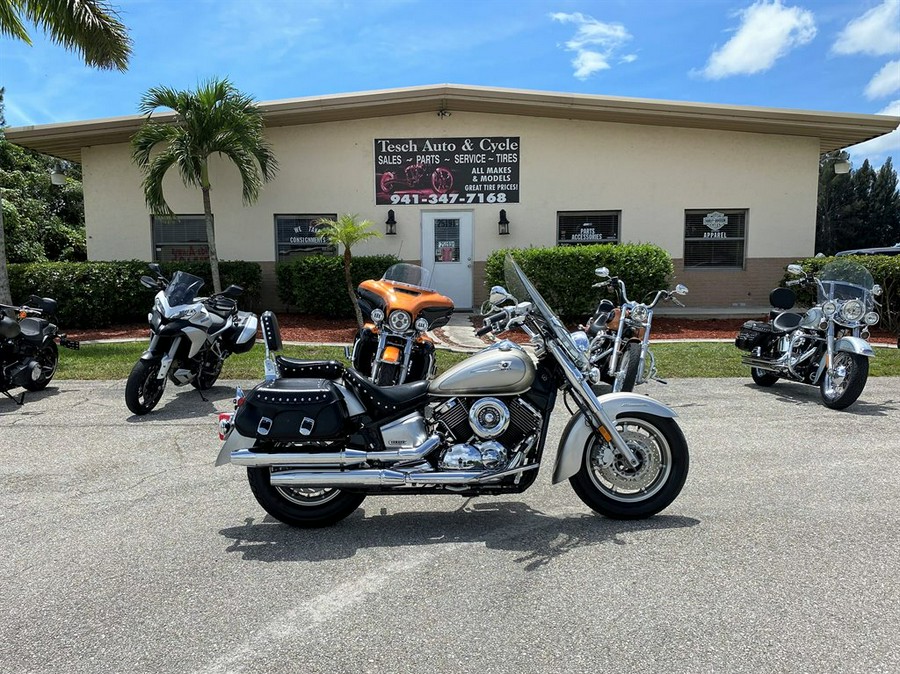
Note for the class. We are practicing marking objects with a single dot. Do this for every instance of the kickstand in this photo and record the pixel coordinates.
(202, 397)
(13, 398)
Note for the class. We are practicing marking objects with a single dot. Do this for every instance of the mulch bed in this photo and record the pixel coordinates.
(296, 328)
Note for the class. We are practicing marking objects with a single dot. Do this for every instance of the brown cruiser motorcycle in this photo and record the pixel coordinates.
(316, 447)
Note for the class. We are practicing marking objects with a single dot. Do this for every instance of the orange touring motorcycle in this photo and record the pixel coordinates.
(399, 309)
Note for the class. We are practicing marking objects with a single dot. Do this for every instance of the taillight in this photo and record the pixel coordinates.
(224, 424)
(239, 397)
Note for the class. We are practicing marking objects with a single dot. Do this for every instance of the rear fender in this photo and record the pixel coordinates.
(578, 431)
(233, 442)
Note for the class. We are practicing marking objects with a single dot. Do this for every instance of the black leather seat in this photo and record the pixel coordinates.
(294, 368)
(786, 321)
(384, 401)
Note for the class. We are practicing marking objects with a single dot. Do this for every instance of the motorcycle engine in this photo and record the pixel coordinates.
(485, 431)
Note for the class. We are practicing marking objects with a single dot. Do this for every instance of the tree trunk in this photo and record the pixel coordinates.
(5, 295)
(211, 241)
(359, 320)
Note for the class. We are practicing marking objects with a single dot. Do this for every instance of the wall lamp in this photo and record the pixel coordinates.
(390, 224)
(503, 223)
(842, 166)
(57, 177)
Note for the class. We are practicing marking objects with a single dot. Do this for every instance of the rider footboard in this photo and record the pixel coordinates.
(752, 335)
(293, 410)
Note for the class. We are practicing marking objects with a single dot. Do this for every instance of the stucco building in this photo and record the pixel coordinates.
(450, 173)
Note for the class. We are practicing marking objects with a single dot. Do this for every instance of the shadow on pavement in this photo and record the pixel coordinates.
(8, 405)
(503, 525)
(186, 403)
(797, 394)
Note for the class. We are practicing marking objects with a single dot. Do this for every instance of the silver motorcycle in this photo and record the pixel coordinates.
(619, 334)
(316, 447)
(825, 346)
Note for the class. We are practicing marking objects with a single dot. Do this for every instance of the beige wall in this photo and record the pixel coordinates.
(652, 174)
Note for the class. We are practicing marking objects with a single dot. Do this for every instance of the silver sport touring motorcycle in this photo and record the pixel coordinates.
(316, 444)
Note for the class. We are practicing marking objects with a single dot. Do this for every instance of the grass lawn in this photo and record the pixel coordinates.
(697, 359)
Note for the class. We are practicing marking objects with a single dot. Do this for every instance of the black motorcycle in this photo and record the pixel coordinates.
(190, 338)
(28, 352)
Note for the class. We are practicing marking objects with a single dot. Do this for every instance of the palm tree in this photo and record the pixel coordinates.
(347, 232)
(214, 119)
(89, 27)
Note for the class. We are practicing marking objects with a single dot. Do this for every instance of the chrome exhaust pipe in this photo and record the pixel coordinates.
(387, 477)
(346, 457)
(762, 364)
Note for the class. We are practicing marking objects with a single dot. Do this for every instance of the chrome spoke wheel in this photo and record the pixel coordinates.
(306, 496)
(838, 377)
(615, 478)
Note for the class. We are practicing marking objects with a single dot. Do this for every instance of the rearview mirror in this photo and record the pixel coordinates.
(602, 272)
(499, 295)
(795, 269)
(148, 282)
(232, 291)
(154, 267)
(876, 290)
(681, 289)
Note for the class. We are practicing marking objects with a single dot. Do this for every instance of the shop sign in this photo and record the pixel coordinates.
(715, 221)
(470, 170)
(587, 232)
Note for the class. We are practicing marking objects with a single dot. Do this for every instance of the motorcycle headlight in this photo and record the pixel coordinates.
(377, 316)
(422, 324)
(852, 311)
(871, 318)
(399, 321)
(640, 313)
(581, 340)
(829, 308)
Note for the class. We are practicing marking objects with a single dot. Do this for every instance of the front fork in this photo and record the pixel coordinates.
(617, 342)
(645, 351)
(828, 358)
(603, 424)
(167, 360)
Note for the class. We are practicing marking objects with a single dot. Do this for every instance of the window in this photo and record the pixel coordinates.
(298, 234)
(577, 228)
(179, 238)
(714, 239)
(446, 239)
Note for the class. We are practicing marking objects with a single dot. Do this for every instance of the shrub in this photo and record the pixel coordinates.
(315, 284)
(99, 294)
(885, 270)
(564, 274)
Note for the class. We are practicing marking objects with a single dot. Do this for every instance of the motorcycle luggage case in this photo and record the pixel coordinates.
(752, 335)
(293, 410)
(241, 337)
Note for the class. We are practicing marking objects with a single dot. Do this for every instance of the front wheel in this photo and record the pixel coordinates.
(48, 358)
(143, 390)
(763, 378)
(843, 383)
(611, 487)
(304, 507)
(388, 374)
(628, 368)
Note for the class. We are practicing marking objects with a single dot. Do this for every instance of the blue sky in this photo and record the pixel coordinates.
(827, 55)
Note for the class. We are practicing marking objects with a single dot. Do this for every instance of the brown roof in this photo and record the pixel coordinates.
(834, 130)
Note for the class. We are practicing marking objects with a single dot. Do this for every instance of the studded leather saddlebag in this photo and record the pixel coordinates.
(753, 334)
(293, 410)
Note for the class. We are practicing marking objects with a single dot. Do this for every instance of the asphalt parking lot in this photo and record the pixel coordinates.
(125, 550)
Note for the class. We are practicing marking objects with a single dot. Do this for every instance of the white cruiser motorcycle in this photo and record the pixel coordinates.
(315, 447)
(827, 345)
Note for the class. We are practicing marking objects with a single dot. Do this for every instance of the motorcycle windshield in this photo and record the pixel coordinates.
(409, 275)
(518, 285)
(845, 280)
(183, 288)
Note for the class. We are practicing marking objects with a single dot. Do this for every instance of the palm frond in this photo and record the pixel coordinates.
(88, 27)
(153, 181)
(147, 137)
(346, 231)
(11, 24)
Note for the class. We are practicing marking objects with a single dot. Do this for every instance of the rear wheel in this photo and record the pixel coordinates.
(305, 507)
(610, 486)
(843, 383)
(763, 378)
(143, 390)
(48, 358)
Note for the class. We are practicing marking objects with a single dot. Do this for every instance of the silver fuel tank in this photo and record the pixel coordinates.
(501, 369)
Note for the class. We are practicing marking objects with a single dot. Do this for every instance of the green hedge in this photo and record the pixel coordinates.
(885, 270)
(564, 274)
(315, 284)
(99, 294)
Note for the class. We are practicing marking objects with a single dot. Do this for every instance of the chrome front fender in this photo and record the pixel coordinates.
(578, 431)
(854, 345)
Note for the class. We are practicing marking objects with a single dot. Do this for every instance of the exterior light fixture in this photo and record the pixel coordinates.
(390, 224)
(57, 177)
(842, 166)
(503, 223)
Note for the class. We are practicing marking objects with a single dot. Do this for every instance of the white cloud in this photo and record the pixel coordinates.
(876, 32)
(595, 43)
(768, 31)
(878, 149)
(885, 82)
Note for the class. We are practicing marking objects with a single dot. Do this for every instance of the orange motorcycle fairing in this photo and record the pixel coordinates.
(408, 298)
